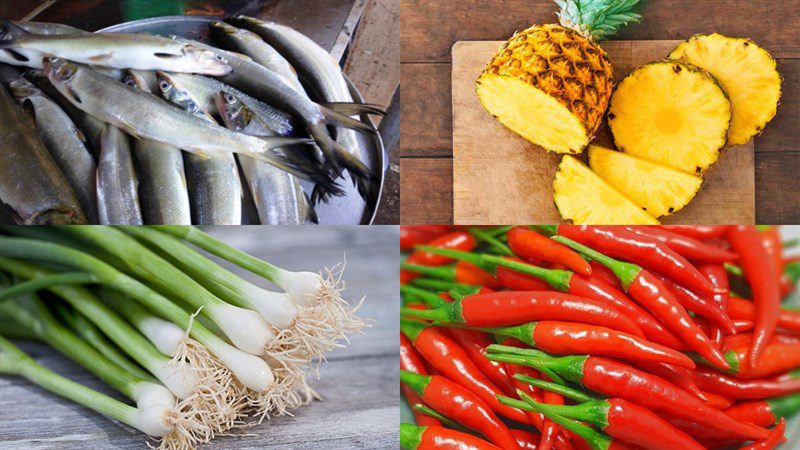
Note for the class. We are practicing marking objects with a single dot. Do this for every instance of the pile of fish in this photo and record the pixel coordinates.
(141, 129)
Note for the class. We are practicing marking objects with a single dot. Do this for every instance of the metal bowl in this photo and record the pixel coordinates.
(349, 209)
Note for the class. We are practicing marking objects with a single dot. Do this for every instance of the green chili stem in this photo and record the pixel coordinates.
(566, 391)
(491, 240)
(447, 273)
(459, 255)
(526, 361)
(558, 279)
(626, 272)
(415, 381)
(429, 298)
(442, 286)
(436, 415)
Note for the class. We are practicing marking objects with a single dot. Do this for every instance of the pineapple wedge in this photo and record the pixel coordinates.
(658, 189)
(672, 113)
(746, 72)
(582, 197)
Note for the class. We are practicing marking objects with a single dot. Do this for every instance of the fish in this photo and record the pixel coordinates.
(204, 90)
(117, 184)
(146, 116)
(116, 50)
(270, 87)
(278, 196)
(64, 141)
(214, 184)
(31, 58)
(32, 187)
(92, 128)
(324, 79)
(163, 194)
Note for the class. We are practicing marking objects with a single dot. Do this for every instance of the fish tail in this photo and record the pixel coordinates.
(363, 177)
(274, 142)
(343, 120)
(10, 33)
(326, 143)
(355, 109)
(311, 213)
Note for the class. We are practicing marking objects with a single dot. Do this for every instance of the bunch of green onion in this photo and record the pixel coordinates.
(197, 348)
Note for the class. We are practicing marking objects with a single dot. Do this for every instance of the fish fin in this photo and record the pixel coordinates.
(342, 120)
(312, 213)
(356, 109)
(326, 143)
(101, 57)
(10, 33)
(16, 56)
(363, 177)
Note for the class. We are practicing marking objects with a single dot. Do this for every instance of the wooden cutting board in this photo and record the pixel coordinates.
(500, 178)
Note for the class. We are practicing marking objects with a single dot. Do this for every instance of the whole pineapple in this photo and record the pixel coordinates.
(551, 83)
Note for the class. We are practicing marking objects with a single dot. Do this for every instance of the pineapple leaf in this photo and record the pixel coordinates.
(596, 19)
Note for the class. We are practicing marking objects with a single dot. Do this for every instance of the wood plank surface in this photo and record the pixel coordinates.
(525, 194)
(431, 28)
(358, 383)
(426, 191)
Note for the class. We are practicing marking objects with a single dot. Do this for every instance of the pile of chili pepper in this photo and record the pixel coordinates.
(598, 337)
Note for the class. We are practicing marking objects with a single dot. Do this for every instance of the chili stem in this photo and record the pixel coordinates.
(491, 240)
(566, 391)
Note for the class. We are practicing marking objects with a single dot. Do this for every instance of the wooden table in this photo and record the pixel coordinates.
(358, 383)
(361, 33)
(430, 28)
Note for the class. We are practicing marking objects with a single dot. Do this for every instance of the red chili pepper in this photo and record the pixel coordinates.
(616, 379)
(777, 358)
(566, 338)
(717, 275)
(474, 343)
(507, 308)
(452, 361)
(679, 376)
(461, 405)
(705, 307)
(602, 272)
(527, 243)
(762, 277)
(685, 246)
(717, 401)
(619, 242)
(439, 438)
(745, 339)
(718, 383)
(650, 292)
(773, 245)
(411, 361)
(765, 413)
(741, 309)
(485, 290)
(527, 440)
(698, 231)
(516, 281)
(420, 234)
(775, 438)
(459, 240)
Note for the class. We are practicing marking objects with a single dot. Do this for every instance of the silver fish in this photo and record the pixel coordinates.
(204, 91)
(323, 76)
(278, 196)
(117, 185)
(64, 141)
(31, 185)
(145, 116)
(119, 51)
(214, 183)
(31, 58)
(164, 197)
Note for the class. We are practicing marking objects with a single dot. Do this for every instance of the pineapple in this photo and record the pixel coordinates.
(746, 72)
(672, 113)
(658, 189)
(584, 198)
(551, 83)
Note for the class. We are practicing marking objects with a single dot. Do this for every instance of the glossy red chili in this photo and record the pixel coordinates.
(527, 243)
(719, 383)
(777, 358)
(679, 376)
(474, 343)
(411, 236)
(461, 405)
(602, 272)
(765, 413)
(619, 242)
(516, 281)
(741, 309)
(688, 247)
(440, 438)
(458, 240)
(776, 437)
(507, 308)
(411, 361)
(703, 306)
(451, 360)
(527, 440)
(717, 275)
(761, 275)
(567, 338)
(698, 231)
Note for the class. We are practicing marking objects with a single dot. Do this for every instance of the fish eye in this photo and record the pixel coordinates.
(219, 57)
(164, 86)
(229, 98)
(129, 81)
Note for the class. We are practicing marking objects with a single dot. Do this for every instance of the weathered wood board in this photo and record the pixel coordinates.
(500, 178)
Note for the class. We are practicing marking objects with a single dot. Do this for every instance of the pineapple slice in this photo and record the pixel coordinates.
(550, 85)
(582, 197)
(746, 72)
(672, 113)
(658, 189)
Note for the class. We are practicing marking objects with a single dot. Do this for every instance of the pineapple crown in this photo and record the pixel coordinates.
(596, 19)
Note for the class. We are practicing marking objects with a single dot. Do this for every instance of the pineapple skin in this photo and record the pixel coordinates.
(562, 63)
